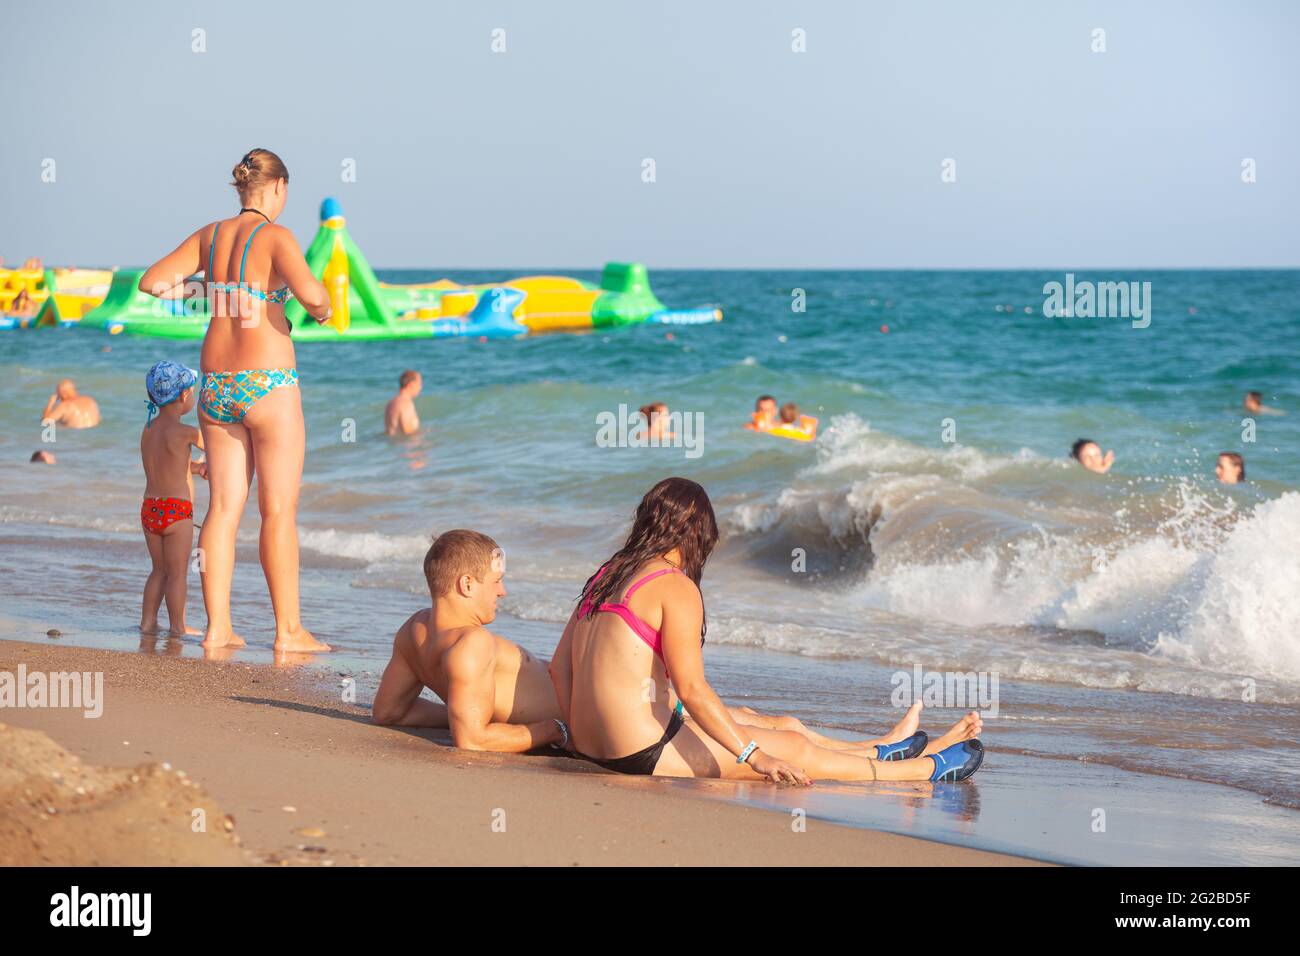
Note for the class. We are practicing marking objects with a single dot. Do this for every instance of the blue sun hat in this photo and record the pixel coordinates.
(165, 383)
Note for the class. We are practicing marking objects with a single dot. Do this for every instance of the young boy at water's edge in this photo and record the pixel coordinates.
(167, 512)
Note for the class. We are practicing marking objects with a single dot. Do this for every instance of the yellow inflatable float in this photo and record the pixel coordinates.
(803, 428)
(33, 296)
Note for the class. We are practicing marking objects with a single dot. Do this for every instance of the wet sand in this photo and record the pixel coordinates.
(305, 778)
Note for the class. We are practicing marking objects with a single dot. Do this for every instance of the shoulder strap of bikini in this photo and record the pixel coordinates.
(244, 258)
(212, 248)
(649, 577)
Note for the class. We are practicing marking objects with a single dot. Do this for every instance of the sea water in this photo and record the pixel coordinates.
(1148, 619)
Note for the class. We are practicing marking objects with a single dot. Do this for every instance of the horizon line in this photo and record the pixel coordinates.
(572, 268)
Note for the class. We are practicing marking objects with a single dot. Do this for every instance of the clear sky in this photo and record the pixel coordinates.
(764, 157)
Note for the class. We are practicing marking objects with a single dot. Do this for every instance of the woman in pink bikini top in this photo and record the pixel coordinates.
(639, 627)
(643, 608)
(643, 605)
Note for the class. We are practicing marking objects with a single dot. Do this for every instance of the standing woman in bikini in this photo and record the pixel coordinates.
(640, 623)
(250, 409)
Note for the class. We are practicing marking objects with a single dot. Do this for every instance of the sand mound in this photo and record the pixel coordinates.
(55, 810)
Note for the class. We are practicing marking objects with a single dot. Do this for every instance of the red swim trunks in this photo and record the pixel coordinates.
(158, 514)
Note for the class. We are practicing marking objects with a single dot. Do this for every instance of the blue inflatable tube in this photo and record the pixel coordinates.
(702, 316)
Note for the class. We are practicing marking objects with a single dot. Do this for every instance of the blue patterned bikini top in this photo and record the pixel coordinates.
(279, 296)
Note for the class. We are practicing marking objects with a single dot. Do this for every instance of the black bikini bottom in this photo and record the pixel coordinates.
(643, 761)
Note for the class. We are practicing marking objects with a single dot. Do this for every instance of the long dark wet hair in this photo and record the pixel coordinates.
(676, 513)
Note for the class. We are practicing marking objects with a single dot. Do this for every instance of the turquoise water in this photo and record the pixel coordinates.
(1148, 618)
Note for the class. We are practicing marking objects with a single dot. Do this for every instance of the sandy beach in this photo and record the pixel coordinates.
(306, 780)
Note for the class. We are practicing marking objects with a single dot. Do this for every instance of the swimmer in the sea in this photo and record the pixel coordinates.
(1254, 404)
(1088, 453)
(399, 415)
(764, 416)
(69, 409)
(657, 422)
(791, 418)
(1230, 469)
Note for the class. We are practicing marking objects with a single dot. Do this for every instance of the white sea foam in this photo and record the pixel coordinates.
(368, 546)
(1228, 600)
(1169, 573)
(849, 443)
(1244, 607)
(63, 519)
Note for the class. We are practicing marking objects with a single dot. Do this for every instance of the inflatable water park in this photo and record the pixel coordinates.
(362, 306)
(36, 297)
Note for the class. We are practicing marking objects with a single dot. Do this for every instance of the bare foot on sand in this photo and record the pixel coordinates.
(213, 640)
(907, 726)
(967, 728)
(299, 641)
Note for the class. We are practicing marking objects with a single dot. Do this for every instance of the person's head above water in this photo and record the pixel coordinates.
(1088, 453)
(466, 568)
(66, 389)
(764, 416)
(675, 514)
(1253, 401)
(789, 413)
(262, 182)
(411, 381)
(1230, 468)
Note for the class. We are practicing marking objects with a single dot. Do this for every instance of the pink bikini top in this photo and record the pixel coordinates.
(639, 627)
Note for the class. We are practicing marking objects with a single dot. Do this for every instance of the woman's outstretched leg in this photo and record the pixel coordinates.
(279, 443)
(968, 728)
(694, 753)
(901, 731)
(230, 470)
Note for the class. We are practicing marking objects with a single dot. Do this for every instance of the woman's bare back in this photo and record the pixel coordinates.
(620, 700)
(246, 332)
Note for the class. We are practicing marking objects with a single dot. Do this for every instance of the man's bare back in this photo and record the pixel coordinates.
(400, 417)
(69, 409)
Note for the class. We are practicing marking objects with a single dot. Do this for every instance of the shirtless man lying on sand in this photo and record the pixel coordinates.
(497, 696)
